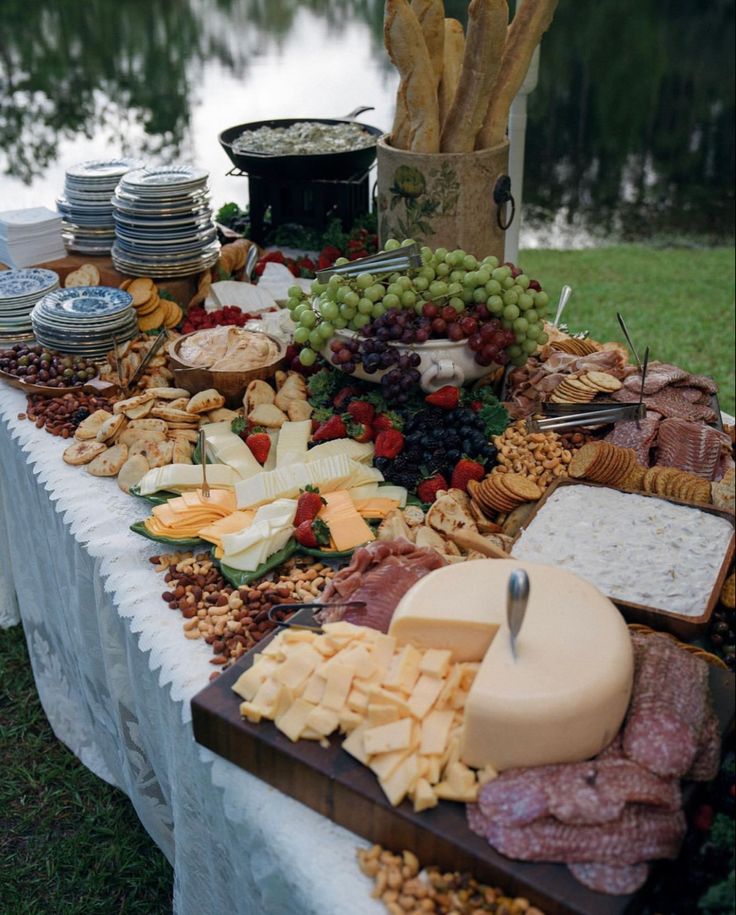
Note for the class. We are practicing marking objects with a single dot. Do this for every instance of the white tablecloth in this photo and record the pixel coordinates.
(116, 675)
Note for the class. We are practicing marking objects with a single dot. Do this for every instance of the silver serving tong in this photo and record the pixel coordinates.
(565, 294)
(568, 416)
(293, 623)
(203, 461)
(155, 347)
(251, 260)
(396, 261)
(517, 598)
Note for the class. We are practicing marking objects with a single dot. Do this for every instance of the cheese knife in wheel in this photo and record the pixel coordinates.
(517, 598)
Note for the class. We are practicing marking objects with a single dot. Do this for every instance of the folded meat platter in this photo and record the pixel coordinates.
(334, 784)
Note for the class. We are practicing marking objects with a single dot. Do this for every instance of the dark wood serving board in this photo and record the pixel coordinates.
(334, 784)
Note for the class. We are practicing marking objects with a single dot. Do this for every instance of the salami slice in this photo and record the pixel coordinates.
(608, 878)
(659, 375)
(639, 435)
(708, 759)
(668, 707)
(641, 834)
(703, 382)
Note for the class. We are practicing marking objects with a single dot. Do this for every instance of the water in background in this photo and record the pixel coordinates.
(630, 130)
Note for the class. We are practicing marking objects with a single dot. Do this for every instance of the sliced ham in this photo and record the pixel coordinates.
(379, 574)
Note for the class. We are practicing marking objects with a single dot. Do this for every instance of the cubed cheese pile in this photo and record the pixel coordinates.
(401, 708)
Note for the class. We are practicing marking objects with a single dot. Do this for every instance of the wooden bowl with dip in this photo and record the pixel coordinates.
(230, 383)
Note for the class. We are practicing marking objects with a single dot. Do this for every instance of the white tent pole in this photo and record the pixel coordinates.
(517, 137)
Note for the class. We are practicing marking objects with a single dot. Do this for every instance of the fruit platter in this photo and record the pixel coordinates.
(398, 445)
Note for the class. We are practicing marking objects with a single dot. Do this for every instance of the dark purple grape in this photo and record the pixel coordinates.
(421, 335)
(348, 367)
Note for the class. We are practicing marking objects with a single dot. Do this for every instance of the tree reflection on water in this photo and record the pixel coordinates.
(630, 127)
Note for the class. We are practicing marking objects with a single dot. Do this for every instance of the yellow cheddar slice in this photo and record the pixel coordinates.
(347, 528)
(231, 524)
(376, 508)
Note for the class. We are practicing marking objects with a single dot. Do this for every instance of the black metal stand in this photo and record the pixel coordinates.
(313, 203)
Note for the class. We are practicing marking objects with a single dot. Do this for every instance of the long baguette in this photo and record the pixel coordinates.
(454, 47)
(487, 23)
(408, 51)
(431, 16)
(531, 21)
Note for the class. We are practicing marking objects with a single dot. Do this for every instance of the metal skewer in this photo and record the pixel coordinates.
(517, 598)
(565, 294)
(203, 461)
(622, 324)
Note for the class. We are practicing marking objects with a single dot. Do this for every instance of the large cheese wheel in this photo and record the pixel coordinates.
(563, 697)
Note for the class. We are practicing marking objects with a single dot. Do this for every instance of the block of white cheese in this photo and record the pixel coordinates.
(564, 695)
(292, 443)
(228, 448)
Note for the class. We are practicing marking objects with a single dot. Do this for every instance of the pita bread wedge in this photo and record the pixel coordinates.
(222, 415)
(132, 472)
(90, 426)
(130, 402)
(183, 435)
(140, 411)
(206, 401)
(182, 453)
(110, 428)
(173, 416)
(83, 452)
(109, 462)
(164, 393)
(150, 425)
(256, 393)
(299, 410)
(158, 454)
(268, 415)
(180, 403)
(130, 436)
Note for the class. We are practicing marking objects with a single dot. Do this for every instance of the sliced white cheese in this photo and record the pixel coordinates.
(285, 482)
(292, 443)
(358, 451)
(228, 448)
(183, 477)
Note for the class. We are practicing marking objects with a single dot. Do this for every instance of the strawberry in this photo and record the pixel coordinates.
(476, 405)
(466, 470)
(342, 397)
(333, 428)
(308, 506)
(428, 489)
(447, 397)
(385, 421)
(359, 432)
(260, 444)
(313, 533)
(362, 411)
(389, 443)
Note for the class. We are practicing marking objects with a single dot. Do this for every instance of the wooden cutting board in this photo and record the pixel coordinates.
(334, 784)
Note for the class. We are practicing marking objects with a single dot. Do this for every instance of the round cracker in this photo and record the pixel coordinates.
(149, 306)
(140, 289)
(152, 321)
(521, 487)
(604, 381)
(83, 452)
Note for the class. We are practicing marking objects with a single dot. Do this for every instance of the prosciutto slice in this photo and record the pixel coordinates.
(379, 574)
(689, 446)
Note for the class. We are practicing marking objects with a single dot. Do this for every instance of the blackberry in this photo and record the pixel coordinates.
(81, 414)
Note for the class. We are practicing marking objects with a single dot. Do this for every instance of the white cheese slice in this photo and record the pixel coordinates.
(292, 443)
(357, 451)
(183, 477)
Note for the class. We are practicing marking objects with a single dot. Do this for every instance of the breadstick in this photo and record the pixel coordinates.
(408, 51)
(531, 21)
(431, 16)
(487, 22)
(452, 64)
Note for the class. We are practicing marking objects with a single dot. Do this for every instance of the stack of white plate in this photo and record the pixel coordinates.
(84, 320)
(30, 236)
(88, 226)
(163, 222)
(19, 292)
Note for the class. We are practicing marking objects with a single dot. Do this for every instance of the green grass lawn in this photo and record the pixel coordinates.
(677, 301)
(70, 844)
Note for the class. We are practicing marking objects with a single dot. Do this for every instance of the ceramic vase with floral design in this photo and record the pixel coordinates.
(442, 199)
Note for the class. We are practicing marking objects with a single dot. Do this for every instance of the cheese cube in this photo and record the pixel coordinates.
(424, 796)
(446, 792)
(382, 652)
(298, 666)
(384, 696)
(314, 689)
(404, 671)
(353, 744)
(435, 661)
(436, 731)
(383, 765)
(434, 770)
(357, 701)
(293, 721)
(423, 696)
(381, 714)
(337, 687)
(348, 720)
(397, 785)
(487, 774)
(249, 711)
(247, 683)
(322, 720)
(459, 777)
(386, 737)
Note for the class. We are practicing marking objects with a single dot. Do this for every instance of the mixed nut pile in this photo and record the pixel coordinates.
(61, 415)
(232, 620)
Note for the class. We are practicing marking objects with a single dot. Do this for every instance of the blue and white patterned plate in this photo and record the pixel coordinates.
(85, 302)
(102, 168)
(165, 177)
(20, 284)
